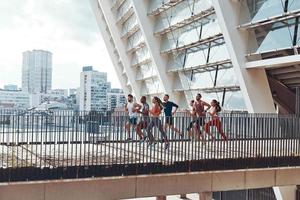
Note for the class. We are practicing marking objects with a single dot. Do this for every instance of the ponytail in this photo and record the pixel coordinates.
(160, 103)
(218, 107)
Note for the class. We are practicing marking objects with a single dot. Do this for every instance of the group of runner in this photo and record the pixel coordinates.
(150, 117)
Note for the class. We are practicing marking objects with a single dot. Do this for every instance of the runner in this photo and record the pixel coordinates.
(169, 113)
(200, 110)
(215, 109)
(131, 107)
(192, 113)
(155, 111)
(144, 118)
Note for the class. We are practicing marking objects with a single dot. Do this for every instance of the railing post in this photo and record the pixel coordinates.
(297, 107)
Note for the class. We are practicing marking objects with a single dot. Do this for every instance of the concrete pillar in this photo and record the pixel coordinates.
(298, 192)
(205, 196)
(161, 198)
(285, 192)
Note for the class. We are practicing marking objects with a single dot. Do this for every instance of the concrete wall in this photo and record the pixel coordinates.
(153, 185)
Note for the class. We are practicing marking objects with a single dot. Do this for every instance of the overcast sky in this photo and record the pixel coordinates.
(67, 28)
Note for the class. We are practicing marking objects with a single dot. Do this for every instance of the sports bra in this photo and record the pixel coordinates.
(155, 110)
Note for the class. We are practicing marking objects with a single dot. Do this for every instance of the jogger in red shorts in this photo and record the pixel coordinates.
(215, 121)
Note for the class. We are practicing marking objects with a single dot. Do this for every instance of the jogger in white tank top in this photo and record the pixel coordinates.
(132, 108)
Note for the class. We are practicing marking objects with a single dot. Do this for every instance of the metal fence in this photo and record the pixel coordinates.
(55, 145)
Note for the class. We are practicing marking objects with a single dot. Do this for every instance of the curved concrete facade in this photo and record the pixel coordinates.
(185, 47)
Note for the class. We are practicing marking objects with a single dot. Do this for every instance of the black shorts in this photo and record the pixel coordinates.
(200, 121)
(133, 120)
(169, 120)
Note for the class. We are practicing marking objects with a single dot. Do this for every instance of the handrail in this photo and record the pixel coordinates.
(65, 144)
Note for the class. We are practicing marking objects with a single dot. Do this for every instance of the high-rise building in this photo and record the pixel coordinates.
(242, 53)
(93, 90)
(115, 99)
(37, 71)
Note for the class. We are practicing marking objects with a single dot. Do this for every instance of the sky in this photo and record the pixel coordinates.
(67, 28)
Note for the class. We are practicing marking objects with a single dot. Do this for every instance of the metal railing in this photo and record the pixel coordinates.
(55, 145)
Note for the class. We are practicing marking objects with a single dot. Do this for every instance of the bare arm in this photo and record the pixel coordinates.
(126, 109)
(137, 106)
(207, 105)
(176, 108)
(193, 111)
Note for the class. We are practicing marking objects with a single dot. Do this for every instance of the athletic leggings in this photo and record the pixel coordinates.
(155, 121)
(217, 123)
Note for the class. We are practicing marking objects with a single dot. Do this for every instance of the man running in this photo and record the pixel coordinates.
(191, 112)
(199, 107)
(131, 107)
(144, 119)
(169, 113)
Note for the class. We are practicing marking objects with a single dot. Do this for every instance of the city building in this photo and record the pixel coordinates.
(57, 97)
(59, 92)
(72, 91)
(93, 90)
(115, 99)
(37, 71)
(10, 87)
(14, 99)
(242, 53)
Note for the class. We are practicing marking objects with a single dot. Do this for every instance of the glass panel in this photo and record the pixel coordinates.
(233, 100)
(294, 5)
(181, 12)
(279, 36)
(176, 62)
(218, 53)
(262, 9)
(227, 77)
(129, 24)
(212, 28)
(135, 39)
(196, 58)
(123, 9)
(200, 80)
(152, 86)
(146, 71)
(191, 33)
(140, 55)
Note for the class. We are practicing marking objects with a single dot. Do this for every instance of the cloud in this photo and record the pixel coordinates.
(67, 28)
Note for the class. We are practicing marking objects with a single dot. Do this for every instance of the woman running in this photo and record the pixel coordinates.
(215, 109)
(155, 112)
